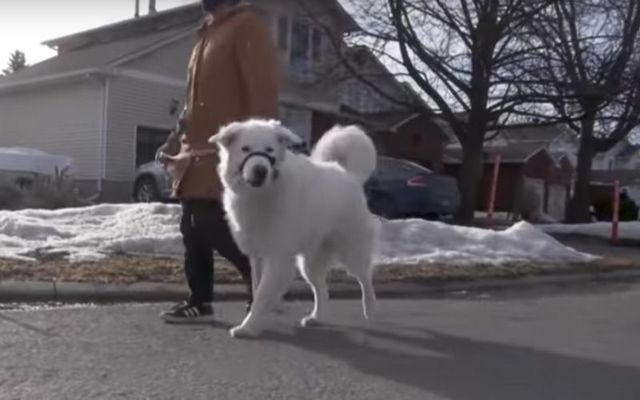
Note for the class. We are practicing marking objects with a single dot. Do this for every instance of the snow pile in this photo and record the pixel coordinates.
(414, 241)
(92, 233)
(626, 230)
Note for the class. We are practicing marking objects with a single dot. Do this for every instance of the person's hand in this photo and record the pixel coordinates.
(162, 157)
(172, 145)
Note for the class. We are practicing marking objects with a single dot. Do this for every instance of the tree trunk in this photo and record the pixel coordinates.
(581, 201)
(469, 180)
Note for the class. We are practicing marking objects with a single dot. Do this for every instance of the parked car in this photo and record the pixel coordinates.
(397, 189)
(403, 189)
(152, 184)
(21, 166)
(602, 207)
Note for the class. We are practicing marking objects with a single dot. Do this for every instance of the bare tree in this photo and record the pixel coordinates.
(588, 69)
(458, 54)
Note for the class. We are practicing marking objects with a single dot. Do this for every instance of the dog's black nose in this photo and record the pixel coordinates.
(258, 175)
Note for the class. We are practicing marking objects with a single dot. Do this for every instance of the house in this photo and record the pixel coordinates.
(624, 155)
(401, 134)
(558, 139)
(111, 94)
(390, 110)
(620, 163)
(536, 170)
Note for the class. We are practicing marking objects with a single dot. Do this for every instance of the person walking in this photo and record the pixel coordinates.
(233, 75)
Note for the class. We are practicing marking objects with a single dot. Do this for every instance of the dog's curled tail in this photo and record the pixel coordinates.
(350, 147)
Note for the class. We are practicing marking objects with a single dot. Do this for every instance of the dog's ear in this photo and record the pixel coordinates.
(226, 135)
(286, 137)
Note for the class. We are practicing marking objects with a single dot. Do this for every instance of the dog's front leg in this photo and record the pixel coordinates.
(275, 277)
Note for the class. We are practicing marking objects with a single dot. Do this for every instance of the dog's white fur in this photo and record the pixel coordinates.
(310, 207)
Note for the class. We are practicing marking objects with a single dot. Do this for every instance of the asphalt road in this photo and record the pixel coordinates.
(568, 345)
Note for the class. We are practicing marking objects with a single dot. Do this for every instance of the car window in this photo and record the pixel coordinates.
(394, 167)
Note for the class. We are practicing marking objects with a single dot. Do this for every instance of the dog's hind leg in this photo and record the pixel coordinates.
(256, 272)
(359, 264)
(314, 270)
(275, 277)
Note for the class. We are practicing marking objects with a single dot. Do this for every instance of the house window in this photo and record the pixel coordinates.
(147, 142)
(283, 33)
(300, 45)
(300, 41)
(316, 45)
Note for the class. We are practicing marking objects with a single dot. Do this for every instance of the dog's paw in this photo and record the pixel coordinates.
(242, 331)
(310, 321)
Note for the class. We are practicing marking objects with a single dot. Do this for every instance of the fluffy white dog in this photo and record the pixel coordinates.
(283, 205)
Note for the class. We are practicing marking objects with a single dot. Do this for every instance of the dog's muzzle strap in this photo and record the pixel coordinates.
(269, 157)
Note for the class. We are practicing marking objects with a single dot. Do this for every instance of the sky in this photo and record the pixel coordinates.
(24, 24)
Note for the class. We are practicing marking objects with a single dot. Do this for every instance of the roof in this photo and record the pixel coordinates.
(390, 119)
(508, 154)
(624, 176)
(363, 57)
(629, 150)
(532, 133)
(105, 46)
(94, 57)
(160, 20)
(127, 28)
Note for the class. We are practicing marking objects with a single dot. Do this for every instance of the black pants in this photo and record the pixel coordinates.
(204, 229)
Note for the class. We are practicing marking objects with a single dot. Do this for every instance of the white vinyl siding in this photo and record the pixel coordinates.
(132, 103)
(60, 119)
(170, 60)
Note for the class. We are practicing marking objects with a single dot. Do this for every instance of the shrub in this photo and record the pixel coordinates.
(44, 192)
(11, 197)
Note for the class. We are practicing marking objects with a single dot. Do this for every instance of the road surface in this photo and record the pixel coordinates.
(563, 345)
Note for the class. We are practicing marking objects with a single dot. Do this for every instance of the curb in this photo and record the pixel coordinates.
(13, 291)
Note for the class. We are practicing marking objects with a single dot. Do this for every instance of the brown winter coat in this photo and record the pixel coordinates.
(232, 76)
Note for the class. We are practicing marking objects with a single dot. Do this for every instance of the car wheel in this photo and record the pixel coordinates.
(146, 191)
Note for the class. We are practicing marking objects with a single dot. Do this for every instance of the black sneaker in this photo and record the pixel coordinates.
(185, 313)
(178, 305)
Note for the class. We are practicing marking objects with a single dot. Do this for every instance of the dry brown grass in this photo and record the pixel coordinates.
(131, 269)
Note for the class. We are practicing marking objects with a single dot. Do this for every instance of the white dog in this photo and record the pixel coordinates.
(283, 205)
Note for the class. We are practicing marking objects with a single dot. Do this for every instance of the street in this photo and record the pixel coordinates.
(565, 344)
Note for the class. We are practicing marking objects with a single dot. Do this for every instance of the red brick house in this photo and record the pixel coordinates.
(521, 164)
(399, 134)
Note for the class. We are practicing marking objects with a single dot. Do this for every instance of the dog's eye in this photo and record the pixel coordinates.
(269, 149)
(245, 149)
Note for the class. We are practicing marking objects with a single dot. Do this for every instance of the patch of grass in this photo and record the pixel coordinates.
(124, 269)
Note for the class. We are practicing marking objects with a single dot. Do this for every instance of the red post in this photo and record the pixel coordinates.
(494, 184)
(616, 211)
